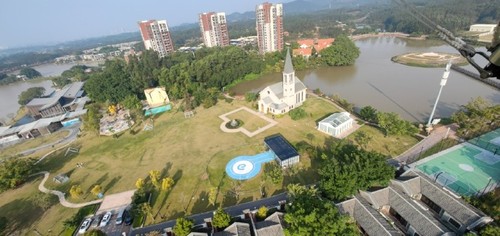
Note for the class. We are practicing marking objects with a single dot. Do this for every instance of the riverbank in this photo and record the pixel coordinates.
(389, 34)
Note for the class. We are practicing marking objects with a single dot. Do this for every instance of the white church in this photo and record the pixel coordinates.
(284, 96)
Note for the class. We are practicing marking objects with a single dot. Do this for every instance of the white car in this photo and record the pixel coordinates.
(106, 218)
(85, 225)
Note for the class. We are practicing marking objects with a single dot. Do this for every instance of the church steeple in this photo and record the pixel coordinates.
(288, 76)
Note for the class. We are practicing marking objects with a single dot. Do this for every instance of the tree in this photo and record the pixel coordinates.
(251, 97)
(393, 125)
(132, 102)
(96, 190)
(476, 117)
(262, 212)
(167, 184)
(139, 184)
(15, 171)
(273, 172)
(369, 114)
(309, 215)
(221, 219)
(212, 196)
(183, 226)
(490, 230)
(94, 232)
(154, 175)
(146, 210)
(76, 191)
(342, 52)
(26, 96)
(29, 72)
(346, 169)
(297, 113)
(92, 118)
(362, 138)
(60, 82)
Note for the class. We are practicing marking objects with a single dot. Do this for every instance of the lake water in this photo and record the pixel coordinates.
(377, 81)
(9, 93)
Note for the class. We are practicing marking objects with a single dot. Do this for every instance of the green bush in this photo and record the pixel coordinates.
(297, 114)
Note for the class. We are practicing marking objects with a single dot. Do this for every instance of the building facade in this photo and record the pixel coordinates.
(60, 102)
(156, 36)
(269, 26)
(284, 96)
(213, 29)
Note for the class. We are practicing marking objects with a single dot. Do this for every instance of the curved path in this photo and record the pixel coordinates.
(73, 132)
(60, 194)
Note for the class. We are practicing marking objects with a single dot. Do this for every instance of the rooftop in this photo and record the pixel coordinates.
(336, 119)
(281, 147)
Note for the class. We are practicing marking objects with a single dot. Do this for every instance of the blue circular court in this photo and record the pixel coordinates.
(247, 167)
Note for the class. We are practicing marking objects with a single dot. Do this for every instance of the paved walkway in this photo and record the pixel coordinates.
(243, 130)
(412, 154)
(60, 194)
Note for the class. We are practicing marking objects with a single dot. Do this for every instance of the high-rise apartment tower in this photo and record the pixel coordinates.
(269, 25)
(156, 36)
(213, 28)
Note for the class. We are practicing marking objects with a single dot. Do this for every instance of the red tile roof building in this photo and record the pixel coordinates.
(306, 46)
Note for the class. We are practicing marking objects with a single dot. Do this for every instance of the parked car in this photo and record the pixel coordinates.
(107, 217)
(85, 225)
(119, 217)
(96, 220)
(128, 218)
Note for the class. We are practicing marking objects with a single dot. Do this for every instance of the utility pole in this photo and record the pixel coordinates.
(442, 84)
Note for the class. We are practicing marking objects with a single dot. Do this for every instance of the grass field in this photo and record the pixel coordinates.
(193, 151)
(391, 146)
(251, 122)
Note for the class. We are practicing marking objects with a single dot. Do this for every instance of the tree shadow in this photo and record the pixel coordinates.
(166, 169)
(21, 213)
(99, 181)
(111, 183)
(247, 199)
(229, 199)
(201, 203)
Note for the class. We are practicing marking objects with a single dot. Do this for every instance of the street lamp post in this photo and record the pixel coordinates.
(442, 84)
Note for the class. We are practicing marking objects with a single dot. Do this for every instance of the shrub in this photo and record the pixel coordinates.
(297, 114)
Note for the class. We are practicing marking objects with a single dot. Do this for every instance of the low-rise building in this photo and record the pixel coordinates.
(413, 205)
(306, 46)
(284, 153)
(484, 28)
(281, 97)
(60, 102)
(336, 124)
(156, 97)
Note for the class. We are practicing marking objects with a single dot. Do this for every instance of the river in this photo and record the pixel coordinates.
(377, 81)
(9, 93)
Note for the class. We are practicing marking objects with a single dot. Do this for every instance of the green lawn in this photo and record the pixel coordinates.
(391, 146)
(32, 143)
(192, 151)
(251, 122)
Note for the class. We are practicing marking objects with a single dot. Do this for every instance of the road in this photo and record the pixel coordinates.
(232, 210)
(73, 132)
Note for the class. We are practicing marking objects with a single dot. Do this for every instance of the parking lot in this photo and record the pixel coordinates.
(112, 228)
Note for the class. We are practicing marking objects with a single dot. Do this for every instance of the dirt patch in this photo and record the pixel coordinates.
(429, 59)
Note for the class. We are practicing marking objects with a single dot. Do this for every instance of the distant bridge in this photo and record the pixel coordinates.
(475, 76)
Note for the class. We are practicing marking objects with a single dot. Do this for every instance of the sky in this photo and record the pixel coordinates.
(40, 22)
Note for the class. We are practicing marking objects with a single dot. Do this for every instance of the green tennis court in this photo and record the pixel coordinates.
(489, 141)
(465, 169)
